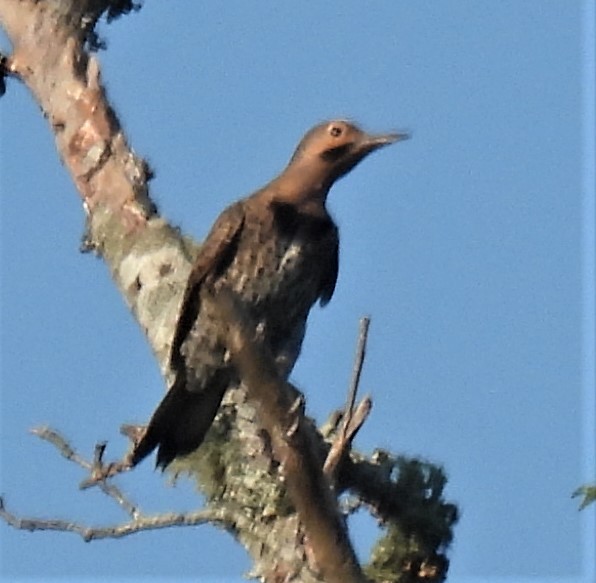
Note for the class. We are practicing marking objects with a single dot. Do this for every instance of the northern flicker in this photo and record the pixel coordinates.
(277, 251)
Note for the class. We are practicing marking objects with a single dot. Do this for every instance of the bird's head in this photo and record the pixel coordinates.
(332, 148)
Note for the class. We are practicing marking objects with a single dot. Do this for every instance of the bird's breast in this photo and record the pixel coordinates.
(275, 274)
(274, 271)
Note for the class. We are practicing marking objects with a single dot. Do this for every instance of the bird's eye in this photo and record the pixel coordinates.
(335, 131)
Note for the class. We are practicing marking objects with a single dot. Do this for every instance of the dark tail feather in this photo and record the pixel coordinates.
(179, 423)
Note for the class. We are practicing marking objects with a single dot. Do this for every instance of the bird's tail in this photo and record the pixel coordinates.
(180, 422)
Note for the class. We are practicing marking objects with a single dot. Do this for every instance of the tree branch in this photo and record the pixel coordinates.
(358, 365)
(351, 421)
(67, 451)
(147, 258)
(281, 414)
(141, 523)
(221, 515)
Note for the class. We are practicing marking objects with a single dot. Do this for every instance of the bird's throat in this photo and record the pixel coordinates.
(302, 186)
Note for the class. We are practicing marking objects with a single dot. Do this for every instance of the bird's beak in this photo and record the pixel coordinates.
(371, 142)
(386, 139)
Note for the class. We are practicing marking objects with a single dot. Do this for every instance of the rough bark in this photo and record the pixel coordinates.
(149, 261)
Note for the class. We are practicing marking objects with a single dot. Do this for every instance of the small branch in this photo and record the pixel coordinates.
(352, 419)
(359, 416)
(100, 472)
(142, 523)
(357, 371)
(221, 515)
(52, 436)
(68, 452)
(133, 432)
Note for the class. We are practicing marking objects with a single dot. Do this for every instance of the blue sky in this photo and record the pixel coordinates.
(471, 246)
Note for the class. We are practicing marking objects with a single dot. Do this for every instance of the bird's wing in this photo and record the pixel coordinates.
(216, 253)
(181, 420)
(330, 269)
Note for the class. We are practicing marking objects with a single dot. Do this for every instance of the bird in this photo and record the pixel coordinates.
(277, 251)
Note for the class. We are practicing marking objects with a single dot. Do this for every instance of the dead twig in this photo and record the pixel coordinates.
(352, 418)
(221, 515)
(142, 523)
(100, 472)
(358, 365)
(67, 451)
(133, 432)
